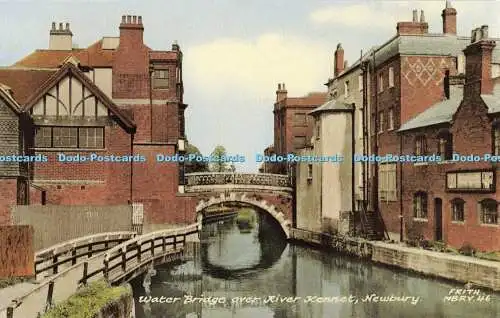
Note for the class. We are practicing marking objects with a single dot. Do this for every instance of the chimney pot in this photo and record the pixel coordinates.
(279, 86)
(448, 4)
(67, 26)
(422, 17)
(129, 19)
(345, 64)
(283, 85)
(484, 32)
(124, 19)
(415, 16)
(60, 26)
(134, 19)
(139, 19)
(53, 26)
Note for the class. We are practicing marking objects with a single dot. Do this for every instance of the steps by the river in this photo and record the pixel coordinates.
(372, 227)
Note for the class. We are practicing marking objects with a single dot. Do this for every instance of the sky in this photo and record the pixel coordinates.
(236, 52)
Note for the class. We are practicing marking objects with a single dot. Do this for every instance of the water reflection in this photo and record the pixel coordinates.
(244, 269)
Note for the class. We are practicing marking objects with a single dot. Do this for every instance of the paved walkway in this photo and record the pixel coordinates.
(12, 292)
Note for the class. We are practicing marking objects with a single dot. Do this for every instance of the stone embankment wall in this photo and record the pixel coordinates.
(121, 307)
(480, 273)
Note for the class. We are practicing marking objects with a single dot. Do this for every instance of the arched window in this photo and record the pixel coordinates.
(420, 146)
(488, 211)
(445, 145)
(458, 210)
(420, 205)
(495, 136)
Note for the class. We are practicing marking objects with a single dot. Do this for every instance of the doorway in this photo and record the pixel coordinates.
(438, 217)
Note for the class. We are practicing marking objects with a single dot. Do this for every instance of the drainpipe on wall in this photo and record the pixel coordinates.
(401, 191)
(132, 170)
(353, 165)
(375, 146)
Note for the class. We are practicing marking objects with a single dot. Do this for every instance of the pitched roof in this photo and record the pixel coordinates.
(333, 106)
(70, 68)
(443, 111)
(94, 56)
(5, 94)
(312, 99)
(24, 81)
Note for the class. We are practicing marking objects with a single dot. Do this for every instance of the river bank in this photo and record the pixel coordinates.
(463, 269)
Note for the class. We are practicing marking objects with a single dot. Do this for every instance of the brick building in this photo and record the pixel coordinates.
(117, 97)
(408, 78)
(293, 128)
(455, 201)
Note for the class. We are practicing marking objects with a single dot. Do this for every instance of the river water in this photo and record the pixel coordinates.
(257, 274)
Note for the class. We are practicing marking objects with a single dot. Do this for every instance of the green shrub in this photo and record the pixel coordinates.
(467, 250)
(88, 301)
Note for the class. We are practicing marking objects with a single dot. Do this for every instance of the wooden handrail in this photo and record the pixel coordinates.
(99, 266)
(50, 259)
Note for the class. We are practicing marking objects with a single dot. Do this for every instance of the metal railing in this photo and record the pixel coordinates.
(222, 178)
(51, 260)
(113, 265)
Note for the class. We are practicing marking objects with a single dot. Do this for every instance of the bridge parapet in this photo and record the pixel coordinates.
(222, 178)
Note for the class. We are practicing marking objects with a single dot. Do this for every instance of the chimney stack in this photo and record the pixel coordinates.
(60, 39)
(478, 63)
(281, 93)
(175, 46)
(131, 31)
(338, 64)
(414, 27)
(449, 16)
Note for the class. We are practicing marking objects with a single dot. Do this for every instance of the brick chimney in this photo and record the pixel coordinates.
(281, 92)
(449, 16)
(61, 39)
(478, 63)
(338, 64)
(131, 31)
(415, 26)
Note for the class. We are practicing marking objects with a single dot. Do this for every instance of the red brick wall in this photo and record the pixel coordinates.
(8, 197)
(16, 251)
(35, 195)
(96, 183)
(418, 84)
(471, 135)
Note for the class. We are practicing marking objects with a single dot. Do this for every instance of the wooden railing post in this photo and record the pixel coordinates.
(105, 271)
(163, 244)
(54, 261)
(10, 312)
(152, 247)
(139, 252)
(124, 260)
(50, 293)
(85, 272)
(90, 251)
(73, 254)
(175, 242)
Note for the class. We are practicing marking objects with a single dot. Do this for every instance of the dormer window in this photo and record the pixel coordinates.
(160, 78)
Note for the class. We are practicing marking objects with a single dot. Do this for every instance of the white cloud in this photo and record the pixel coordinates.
(383, 15)
(254, 67)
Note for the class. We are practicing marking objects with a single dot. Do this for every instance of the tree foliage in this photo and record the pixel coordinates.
(194, 165)
(220, 165)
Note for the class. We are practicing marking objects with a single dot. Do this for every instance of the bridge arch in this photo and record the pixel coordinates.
(263, 205)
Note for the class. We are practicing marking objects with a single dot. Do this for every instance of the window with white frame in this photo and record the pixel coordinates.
(458, 210)
(489, 211)
(381, 122)
(391, 77)
(387, 182)
(420, 205)
(420, 146)
(390, 119)
(380, 83)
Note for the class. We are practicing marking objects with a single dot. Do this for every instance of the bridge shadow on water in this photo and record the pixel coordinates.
(260, 263)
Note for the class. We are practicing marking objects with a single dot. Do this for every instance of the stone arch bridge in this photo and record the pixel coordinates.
(271, 193)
